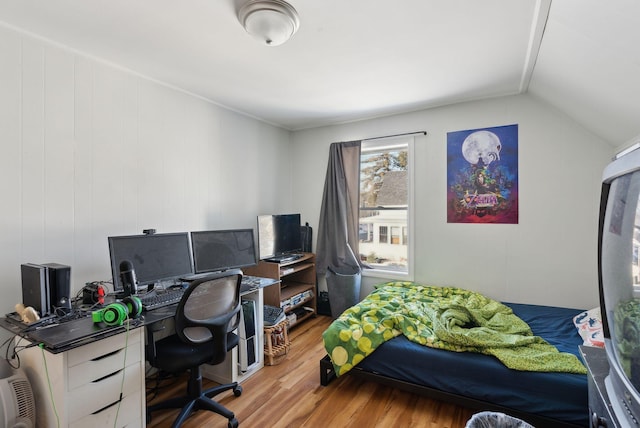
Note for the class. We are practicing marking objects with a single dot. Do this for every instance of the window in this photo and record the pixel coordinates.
(383, 236)
(395, 235)
(366, 232)
(385, 201)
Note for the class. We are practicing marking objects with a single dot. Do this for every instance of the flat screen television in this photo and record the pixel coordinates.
(219, 250)
(155, 258)
(278, 235)
(619, 283)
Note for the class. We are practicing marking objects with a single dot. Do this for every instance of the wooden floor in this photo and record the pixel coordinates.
(290, 395)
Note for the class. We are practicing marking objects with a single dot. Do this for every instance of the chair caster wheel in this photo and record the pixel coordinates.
(237, 391)
(233, 423)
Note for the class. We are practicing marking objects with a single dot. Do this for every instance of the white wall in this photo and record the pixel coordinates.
(88, 150)
(548, 258)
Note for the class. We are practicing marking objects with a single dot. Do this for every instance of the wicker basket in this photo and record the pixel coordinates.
(276, 343)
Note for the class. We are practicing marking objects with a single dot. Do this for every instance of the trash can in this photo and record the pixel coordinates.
(495, 420)
(343, 285)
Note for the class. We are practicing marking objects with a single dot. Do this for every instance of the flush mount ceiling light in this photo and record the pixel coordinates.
(272, 22)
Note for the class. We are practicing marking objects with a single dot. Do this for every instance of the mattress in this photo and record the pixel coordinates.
(561, 396)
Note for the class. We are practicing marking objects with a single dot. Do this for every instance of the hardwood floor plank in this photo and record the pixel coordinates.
(289, 395)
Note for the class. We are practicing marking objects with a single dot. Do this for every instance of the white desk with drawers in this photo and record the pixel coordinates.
(101, 382)
(81, 387)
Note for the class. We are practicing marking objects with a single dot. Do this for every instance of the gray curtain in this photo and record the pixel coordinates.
(337, 244)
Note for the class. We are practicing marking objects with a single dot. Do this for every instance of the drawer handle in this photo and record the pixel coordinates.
(101, 357)
(107, 376)
(106, 407)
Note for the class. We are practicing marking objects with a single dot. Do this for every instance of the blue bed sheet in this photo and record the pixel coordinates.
(561, 396)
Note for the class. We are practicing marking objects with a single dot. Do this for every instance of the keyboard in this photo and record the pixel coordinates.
(51, 320)
(249, 283)
(273, 315)
(155, 300)
(285, 258)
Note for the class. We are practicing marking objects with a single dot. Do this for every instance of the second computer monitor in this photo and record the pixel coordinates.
(217, 250)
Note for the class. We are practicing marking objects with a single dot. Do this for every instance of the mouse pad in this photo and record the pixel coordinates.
(70, 332)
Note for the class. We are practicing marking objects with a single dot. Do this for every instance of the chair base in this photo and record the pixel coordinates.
(198, 399)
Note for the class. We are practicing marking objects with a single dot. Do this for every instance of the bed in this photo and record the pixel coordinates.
(475, 380)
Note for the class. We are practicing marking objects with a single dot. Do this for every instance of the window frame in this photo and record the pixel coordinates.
(408, 237)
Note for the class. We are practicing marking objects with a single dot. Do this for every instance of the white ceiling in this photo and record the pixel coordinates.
(355, 59)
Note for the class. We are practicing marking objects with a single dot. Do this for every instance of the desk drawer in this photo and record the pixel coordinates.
(99, 367)
(129, 415)
(94, 396)
(100, 348)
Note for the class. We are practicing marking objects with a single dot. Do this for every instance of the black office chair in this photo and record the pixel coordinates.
(206, 316)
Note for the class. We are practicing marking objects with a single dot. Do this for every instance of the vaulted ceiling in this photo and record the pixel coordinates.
(360, 59)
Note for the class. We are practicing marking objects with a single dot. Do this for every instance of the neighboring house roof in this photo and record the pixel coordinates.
(393, 191)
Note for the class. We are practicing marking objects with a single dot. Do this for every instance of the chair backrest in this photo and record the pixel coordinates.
(209, 309)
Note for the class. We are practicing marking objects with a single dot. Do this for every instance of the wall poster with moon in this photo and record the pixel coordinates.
(482, 175)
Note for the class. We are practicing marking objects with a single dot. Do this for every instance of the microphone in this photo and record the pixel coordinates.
(128, 278)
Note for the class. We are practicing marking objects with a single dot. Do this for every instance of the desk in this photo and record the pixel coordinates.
(86, 378)
(86, 382)
(159, 324)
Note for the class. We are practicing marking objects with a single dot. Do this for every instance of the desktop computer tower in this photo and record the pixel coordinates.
(35, 288)
(59, 280)
(248, 345)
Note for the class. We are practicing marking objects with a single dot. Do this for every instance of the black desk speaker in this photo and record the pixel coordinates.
(35, 289)
(59, 277)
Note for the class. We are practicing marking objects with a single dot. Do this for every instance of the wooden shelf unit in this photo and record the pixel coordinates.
(295, 277)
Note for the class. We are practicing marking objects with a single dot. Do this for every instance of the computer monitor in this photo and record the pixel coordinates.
(218, 250)
(278, 234)
(157, 257)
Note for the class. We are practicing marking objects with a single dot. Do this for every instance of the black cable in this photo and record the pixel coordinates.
(7, 343)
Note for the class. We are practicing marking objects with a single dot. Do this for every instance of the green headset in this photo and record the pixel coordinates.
(116, 313)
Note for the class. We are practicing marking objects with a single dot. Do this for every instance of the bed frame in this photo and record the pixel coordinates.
(327, 374)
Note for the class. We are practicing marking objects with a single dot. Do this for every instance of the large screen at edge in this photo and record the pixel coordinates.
(619, 280)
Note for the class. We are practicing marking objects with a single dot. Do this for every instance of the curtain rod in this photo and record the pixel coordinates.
(396, 135)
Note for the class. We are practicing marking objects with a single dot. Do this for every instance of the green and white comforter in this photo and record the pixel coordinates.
(440, 317)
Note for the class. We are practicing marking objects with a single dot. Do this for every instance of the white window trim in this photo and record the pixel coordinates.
(388, 143)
